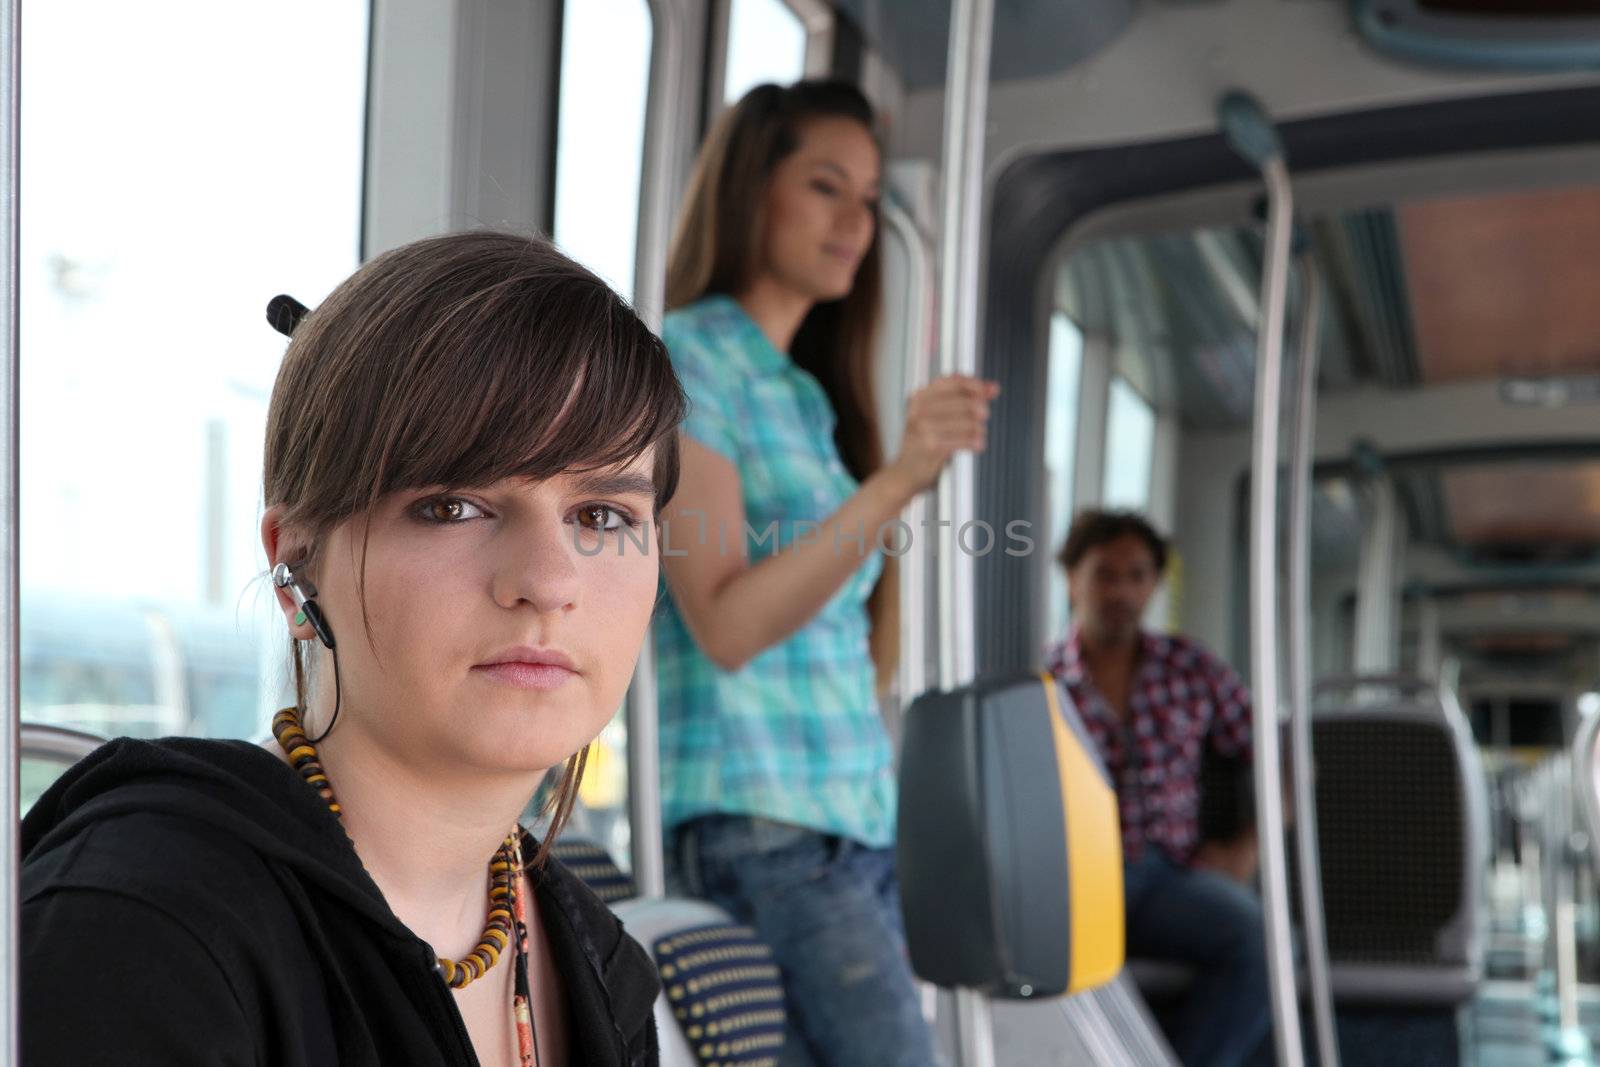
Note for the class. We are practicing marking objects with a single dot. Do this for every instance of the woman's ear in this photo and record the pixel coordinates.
(280, 548)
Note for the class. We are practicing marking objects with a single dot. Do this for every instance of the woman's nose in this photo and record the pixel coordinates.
(857, 222)
(537, 564)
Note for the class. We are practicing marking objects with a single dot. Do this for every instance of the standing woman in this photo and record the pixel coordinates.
(777, 772)
(462, 441)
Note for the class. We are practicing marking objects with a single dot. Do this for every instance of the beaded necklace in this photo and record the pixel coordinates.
(508, 922)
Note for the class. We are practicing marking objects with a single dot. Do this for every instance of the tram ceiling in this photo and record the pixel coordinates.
(1525, 509)
(1506, 520)
(1502, 285)
(1038, 201)
(1032, 38)
(1426, 292)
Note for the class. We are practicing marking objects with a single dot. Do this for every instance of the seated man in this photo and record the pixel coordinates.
(1152, 702)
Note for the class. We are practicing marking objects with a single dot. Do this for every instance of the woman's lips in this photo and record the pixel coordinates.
(539, 676)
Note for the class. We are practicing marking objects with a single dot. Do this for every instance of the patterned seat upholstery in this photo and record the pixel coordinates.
(594, 865)
(714, 975)
(726, 993)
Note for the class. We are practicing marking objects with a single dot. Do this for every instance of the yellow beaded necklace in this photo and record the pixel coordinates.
(507, 921)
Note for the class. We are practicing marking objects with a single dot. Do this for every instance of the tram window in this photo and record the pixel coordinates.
(1061, 452)
(605, 72)
(605, 88)
(1517, 722)
(157, 220)
(766, 43)
(1130, 448)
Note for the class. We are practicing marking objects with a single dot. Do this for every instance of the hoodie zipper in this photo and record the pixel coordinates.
(430, 960)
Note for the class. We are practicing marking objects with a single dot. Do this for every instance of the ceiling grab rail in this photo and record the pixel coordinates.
(1251, 134)
(966, 102)
(657, 199)
(10, 736)
(1312, 927)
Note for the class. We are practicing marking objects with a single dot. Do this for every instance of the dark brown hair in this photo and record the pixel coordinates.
(718, 244)
(1093, 528)
(460, 361)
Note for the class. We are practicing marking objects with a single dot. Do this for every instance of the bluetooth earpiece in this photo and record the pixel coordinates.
(303, 593)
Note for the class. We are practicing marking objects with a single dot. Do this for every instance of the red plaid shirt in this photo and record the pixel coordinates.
(1182, 695)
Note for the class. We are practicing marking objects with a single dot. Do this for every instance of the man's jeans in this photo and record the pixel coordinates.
(1214, 923)
(830, 910)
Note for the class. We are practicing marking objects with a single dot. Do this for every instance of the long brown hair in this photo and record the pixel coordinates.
(460, 361)
(716, 248)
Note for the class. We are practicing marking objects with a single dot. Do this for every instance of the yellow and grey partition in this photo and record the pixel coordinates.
(1010, 853)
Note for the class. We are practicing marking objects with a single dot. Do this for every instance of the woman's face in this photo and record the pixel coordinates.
(821, 209)
(505, 619)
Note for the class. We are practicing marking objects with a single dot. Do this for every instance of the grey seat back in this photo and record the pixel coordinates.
(1402, 814)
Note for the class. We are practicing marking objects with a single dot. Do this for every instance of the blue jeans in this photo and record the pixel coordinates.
(830, 910)
(1212, 922)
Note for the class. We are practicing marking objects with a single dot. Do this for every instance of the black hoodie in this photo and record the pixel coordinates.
(189, 902)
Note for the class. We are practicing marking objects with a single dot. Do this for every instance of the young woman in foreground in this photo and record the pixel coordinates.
(459, 440)
(777, 773)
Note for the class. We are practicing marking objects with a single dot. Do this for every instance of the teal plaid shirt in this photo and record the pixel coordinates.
(794, 734)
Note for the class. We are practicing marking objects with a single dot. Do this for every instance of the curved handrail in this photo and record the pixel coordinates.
(1307, 852)
(1250, 132)
(46, 741)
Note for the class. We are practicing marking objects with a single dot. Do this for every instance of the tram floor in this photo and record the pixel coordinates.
(1512, 1024)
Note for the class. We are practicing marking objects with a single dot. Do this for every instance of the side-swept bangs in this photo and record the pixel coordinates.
(459, 361)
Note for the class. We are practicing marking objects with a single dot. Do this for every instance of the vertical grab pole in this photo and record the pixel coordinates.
(10, 736)
(1299, 606)
(966, 101)
(662, 133)
(1250, 132)
(915, 373)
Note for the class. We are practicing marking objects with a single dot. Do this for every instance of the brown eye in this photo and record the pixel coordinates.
(595, 516)
(448, 509)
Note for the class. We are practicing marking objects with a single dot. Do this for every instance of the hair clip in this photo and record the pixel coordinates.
(284, 313)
